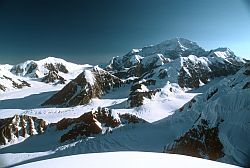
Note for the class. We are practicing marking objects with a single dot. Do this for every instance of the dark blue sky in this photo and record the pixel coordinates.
(93, 31)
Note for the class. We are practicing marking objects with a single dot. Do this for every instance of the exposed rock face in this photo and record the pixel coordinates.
(56, 67)
(86, 125)
(95, 122)
(88, 85)
(29, 69)
(20, 125)
(191, 75)
(32, 67)
(52, 77)
(2, 87)
(193, 71)
(246, 86)
(130, 119)
(136, 97)
(139, 91)
(200, 141)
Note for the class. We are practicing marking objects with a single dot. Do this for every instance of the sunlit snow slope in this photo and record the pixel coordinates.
(125, 160)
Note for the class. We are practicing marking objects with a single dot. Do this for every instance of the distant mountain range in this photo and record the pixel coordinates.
(172, 97)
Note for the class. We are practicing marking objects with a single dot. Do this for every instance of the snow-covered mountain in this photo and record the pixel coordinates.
(8, 81)
(172, 49)
(49, 70)
(39, 69)
(172, 97)
(146, 71)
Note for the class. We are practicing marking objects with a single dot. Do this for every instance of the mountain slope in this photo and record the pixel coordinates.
(89, 84)
(219, 121)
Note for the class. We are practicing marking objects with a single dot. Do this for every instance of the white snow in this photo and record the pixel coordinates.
(135, 50)
(36, 88)
(142, 89)
(221, 54)
(135, 59)
(53, 115)
(182, 47)
(41, 69)
(156, 59)
(125, 160)
(89, 77)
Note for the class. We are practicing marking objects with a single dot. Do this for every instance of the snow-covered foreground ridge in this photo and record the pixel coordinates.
(125, 160)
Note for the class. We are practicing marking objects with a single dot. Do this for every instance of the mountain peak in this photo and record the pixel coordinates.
(178, 40)
(51, 59)
(179, 43)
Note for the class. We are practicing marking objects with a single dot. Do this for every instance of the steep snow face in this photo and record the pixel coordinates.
(128, 159)
(153, 61)
(221, 113)
(89, 77)
(223, 55)
(38, 69)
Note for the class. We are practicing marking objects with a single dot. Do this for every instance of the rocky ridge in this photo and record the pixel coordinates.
(99, 121)
(89, 84)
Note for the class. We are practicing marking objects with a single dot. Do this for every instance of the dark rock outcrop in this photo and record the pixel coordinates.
(56, 67)
(201, 141)
(92, 123)
(52, 77)
(2, 87)
(20, 125)
(137, 94)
